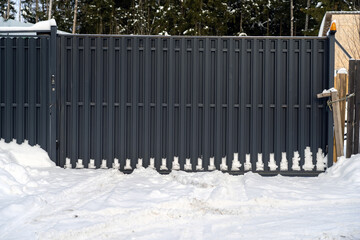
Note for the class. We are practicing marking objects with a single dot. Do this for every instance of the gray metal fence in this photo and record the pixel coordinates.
(188, 98)
(193, 103)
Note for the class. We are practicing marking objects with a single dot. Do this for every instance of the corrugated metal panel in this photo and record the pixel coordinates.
(143, 97)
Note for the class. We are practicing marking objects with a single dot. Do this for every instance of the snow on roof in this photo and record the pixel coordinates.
(38, 27)
(327, 17)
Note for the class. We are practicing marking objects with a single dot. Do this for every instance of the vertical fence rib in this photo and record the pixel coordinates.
(279, 80)
(230, 103)
(158, 107)
(290, 103)
(254, 103)
(218, 106)
(147, 101)
(266, 104)
(111, 101)
(242, 100)
(8, 91)
(134, 101)
(98, 103)
(194, 103)
(170, 106)
(74, 100)
(43, 90)
(62, 107)
(122, 112)
(206, 107)
(314, 143)
(182, 154)
(20, 81)
(86, 116)
(302, 100)
(31, 92)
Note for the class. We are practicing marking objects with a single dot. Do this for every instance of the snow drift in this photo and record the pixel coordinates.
(48, 202)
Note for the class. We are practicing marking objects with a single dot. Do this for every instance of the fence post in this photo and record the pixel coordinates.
(350, 110)
(52, 95)
(331, 52)
(357, 107)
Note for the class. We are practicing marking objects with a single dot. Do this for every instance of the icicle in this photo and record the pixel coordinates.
(236, 164)
(103, 164)
(67, 163)
(259, 163)
(127, 165)
(272, 163)
(223, 166)
(188, 166)
(199, 165)
(92, 164)
(284, 162)
(79, 163)
(212, 164)
(163, 164)
(116, 164)
(295, 161)
(152, 163)
(308, 165)
(247, 165)
(175, 164)
(320, 164)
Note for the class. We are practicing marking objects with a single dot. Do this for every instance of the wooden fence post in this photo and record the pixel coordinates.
(340, 85)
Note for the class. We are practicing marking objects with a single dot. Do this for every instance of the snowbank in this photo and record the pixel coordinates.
(25, 155)
(49, 202)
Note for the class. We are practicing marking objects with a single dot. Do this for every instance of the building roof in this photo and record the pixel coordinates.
(325, 24)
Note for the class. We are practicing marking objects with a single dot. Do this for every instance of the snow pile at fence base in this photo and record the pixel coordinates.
(26, 155)
(57, 203)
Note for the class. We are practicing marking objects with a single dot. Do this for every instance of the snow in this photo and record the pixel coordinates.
(342, 71)
(40, 26)
(43, 201)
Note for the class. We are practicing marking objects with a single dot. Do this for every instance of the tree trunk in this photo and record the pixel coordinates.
(241, 22)
(20, 11)
(307, 16)
(75, 14)
(37, 11)
(8, 10)
(50, 7)
(291, 17)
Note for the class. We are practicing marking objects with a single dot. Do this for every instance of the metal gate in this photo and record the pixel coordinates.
(193, 103)
(27, 88)
(234, 104)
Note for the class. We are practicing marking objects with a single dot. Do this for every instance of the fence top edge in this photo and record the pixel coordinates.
(194, 37)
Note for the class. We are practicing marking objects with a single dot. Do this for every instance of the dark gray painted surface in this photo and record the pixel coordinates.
(131, 97)
(24, 85)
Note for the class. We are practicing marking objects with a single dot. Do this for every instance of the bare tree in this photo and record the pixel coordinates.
(8, 10)
(37, 11)
(19, 10)
(307, 16)
(291, 17)
(75, 14)
(50, 7)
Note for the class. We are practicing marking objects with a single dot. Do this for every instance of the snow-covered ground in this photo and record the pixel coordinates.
(41, 201)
